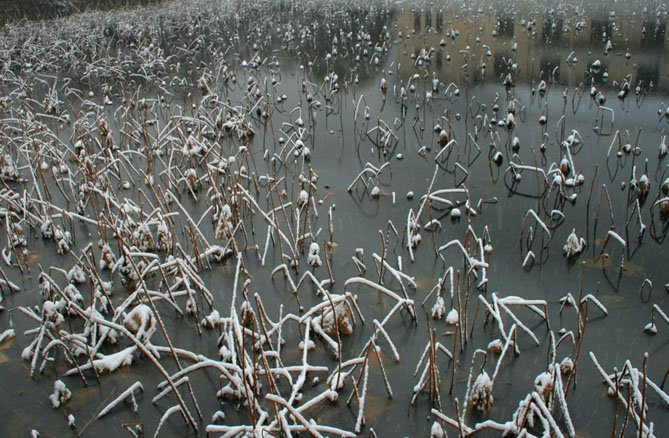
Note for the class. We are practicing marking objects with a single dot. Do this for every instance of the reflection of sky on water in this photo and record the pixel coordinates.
(538, 42)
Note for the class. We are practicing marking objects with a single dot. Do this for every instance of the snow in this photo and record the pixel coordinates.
(73, 294)
(567, 365)
(495, 346)
(76, 275)
(219, 416)
(60, 394)
(343, 319)
(143, 238)
(108, 363)
(7, 334)
(107, 258)
(224, 226)
(644, 185)
(310, 345)
(543, 384)
(452, 317)
(574, 245)
(437, 431)
(52, 311)
(337, 381)
(302, 198)
(212, 320)
(443, 138)
(313, 259)
(481, 396)
(650, 328)
(46, 229)
(246, 313)
(128, 393)
(224, 353)
(439, 308)
(108, 333)
(498, 158)
(141, 321)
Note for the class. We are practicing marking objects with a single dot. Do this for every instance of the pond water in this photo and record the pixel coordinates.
(199, 126)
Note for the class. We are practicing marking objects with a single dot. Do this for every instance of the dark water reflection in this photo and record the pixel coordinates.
(475, 46)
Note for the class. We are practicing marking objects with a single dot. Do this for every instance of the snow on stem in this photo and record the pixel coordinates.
(128, 393)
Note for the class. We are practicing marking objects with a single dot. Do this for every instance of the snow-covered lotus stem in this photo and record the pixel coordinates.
(128, 393)
(651, 328)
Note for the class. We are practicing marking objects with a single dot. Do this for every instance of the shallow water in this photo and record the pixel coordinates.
(533, 41)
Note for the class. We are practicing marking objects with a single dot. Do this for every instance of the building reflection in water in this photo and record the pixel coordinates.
(555, 46)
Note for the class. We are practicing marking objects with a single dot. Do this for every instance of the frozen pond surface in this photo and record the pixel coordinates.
(478, 192)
